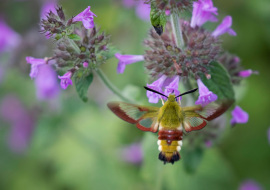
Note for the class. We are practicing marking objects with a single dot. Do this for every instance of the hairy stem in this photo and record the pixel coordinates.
(74, 45)
(177, 30)
(112, 87)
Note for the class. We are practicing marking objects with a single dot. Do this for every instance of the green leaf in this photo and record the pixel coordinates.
(158, 19)
(82, 85)
(220, 82)
(74, 37)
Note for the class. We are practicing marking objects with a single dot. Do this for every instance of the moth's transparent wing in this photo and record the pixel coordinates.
(196, 117)
(145, 117)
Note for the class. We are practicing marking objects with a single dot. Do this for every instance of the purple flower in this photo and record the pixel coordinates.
(132, 153)
(246, 73)
(125, 60)
(65, 79)
(86, 17)
(156, 85)
(205, 96)
(172, 87)
(35, 63)
(224, 27)
(208, 144)
(128, 3)
(46, 83)
(167, 12)
(239, 116)
(203, 11)
(143, 11)
(250, 185)
(85, 64)
(22, 123)
(9, 39)
(48, 6)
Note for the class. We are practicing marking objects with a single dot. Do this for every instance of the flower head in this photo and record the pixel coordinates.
(46, 83)
(203, 11)
(9, 39)
(65, 80)
(172, 87)
(239, 116)
(205, 96)
(156, 85)
(125, 60)
(250, 185)
(85, 64)
(246, 73)
(35, 63)
(224, 27)
(86, 17)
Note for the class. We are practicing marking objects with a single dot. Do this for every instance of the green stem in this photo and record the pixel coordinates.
(112, 87)
(177, 30)
(74, 45)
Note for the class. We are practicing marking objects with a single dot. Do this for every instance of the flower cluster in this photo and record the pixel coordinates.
(80, 49)
(167, 60)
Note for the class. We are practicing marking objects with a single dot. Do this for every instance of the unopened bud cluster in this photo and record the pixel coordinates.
(90, 49)
(165, 58)
(172, 5)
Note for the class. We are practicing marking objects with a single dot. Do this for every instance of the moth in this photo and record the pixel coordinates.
(170, 120)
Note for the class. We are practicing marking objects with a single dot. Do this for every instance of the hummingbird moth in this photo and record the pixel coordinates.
(169, 120)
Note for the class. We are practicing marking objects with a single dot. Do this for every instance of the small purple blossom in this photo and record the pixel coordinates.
(172, 87)
(203, 11)
(9, 39)
(125, 60)
(48, 6)
(46, 83)
(65, 80)
(250, 185)
(239, 116)
(35, 63)
(208, 144)
(156, 85)
(85, 64)
(246, 73)
(143, 11)
(167, 12)
(224, 27)
(132, 153)
(86, 17)
(205, 96)
(21, 122)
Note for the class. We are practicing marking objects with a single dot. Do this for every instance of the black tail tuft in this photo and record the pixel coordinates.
(170, 159)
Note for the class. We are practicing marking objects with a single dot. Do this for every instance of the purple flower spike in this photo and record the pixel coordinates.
(247, 73)
(156, 85)
(203, 11)
(46, 83)
(239, 116)
(125, 60)
(205, 96)
(85, 64)
(65, 80)
(9, 39)
(250, 185)
(224, 27)
(35, 63)
(86, 17)
(132, 153)
(173, 87)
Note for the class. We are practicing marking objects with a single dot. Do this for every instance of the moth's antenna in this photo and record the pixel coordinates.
(190, 91)
(155, 91)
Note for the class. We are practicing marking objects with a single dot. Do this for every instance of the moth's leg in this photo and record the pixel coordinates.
(162, 101)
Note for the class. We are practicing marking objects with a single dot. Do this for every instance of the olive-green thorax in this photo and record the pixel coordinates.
(170, 114)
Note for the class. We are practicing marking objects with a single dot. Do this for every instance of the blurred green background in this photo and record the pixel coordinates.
(76, 145)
